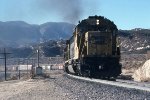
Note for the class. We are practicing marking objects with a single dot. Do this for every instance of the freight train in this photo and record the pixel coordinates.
(93, 50)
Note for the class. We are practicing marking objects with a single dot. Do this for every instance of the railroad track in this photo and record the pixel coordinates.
(119, 83)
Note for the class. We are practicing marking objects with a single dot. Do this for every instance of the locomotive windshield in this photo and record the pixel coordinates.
(97, 40)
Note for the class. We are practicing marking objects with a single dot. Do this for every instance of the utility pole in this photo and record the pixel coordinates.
(38, 57)
(19, 68)
(27, 67)
(5, 61)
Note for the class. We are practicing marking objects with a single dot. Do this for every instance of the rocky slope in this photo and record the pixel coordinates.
(135, 41)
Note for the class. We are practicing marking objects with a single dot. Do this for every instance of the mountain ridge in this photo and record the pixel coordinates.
(19, 33)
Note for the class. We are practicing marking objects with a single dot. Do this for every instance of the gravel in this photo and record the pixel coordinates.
(61, 87)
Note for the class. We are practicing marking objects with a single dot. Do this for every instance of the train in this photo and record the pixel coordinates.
(94, 49)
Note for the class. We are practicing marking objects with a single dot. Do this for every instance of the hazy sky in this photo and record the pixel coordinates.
(126, 14)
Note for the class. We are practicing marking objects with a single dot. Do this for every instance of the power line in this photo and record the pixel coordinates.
(5, 60)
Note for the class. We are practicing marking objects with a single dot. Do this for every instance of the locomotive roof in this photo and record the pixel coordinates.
(103, 23)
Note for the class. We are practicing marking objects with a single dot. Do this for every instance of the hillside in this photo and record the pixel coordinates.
(55, 31)
(19, 33)
(50, 48)
(135, 40)
(15, 33)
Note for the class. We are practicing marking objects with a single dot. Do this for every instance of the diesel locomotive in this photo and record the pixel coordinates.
(93, 50)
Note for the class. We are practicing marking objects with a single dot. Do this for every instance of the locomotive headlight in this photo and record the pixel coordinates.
(97, 22)
(100, 66)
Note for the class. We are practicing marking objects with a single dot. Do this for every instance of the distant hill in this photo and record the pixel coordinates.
(19, 33)
(15, 33)
(55, 31)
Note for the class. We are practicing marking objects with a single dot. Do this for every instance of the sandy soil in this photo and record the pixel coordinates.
(31, 89)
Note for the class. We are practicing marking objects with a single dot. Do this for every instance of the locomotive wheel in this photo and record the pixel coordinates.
(86, 73)
(82, 72)
(66, 68)
(78, 70)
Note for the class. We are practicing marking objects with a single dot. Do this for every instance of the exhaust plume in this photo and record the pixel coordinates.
(68, 10)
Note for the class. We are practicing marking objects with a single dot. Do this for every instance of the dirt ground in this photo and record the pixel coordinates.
(41, 88)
